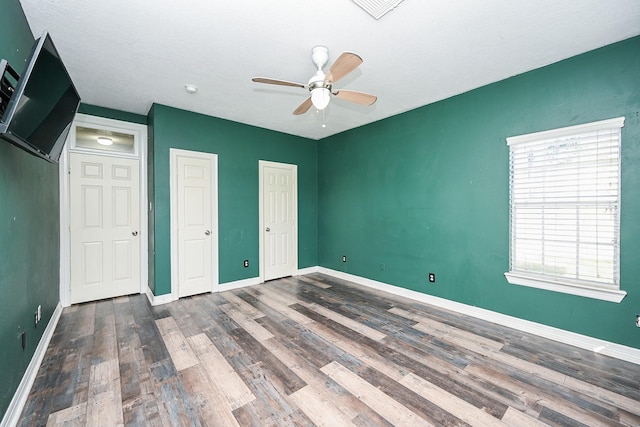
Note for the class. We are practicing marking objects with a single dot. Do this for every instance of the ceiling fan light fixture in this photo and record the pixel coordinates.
(320, 97)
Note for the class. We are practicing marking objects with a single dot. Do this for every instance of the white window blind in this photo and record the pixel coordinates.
(564, 201)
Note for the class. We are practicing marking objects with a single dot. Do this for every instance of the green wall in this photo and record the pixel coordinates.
(427, 191)
(110, 113)
(29, 230)
(239, 148)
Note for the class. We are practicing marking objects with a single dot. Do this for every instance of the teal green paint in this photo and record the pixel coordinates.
(110, 113)
(427, 191)
(239, 148)
(29, 230)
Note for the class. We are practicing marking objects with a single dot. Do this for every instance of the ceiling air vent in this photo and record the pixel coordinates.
(377, 8)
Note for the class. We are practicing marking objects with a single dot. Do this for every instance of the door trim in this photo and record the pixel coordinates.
(173, 200)
(294, 168)
(140, 133)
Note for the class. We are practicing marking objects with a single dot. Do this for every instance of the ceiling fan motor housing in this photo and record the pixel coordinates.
(318, 81)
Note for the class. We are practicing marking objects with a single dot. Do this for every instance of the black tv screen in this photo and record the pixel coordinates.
(39, 114)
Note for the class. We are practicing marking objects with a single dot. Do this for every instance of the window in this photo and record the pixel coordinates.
(565, 207)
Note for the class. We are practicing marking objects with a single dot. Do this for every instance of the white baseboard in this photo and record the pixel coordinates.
(596, 345)
(308, 270)
(167, 298)
(12, 416)
(160, 299)
(239, 284)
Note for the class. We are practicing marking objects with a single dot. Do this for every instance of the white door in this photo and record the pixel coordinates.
(195, 227)
(279, 242)
(104, 227)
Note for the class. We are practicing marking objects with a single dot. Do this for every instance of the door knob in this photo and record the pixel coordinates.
(207, 232)
(268, 229)
(135, 233)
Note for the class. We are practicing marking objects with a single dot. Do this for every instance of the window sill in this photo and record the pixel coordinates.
(612, 295)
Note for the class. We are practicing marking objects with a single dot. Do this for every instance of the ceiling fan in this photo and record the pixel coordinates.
(320, 85)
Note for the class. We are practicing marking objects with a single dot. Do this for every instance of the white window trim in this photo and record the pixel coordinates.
(612, 294)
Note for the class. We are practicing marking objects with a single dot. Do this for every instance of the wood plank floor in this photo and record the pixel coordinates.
(315, 350)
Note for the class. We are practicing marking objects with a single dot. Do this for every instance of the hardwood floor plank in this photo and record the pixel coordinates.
(359, 351)
(558, 419)
(105, 332)
(181, 353)
(212, 408)
(515, 418)
(413, 401)
(451, 334)
(150, 341)
(450, 403)
(342, 400)
(486, 348)
(84, 321)
(345, 321)
(551, 398)
(139, 405)
(226, 381)
(388, 408)
(104, 406)
(174, 405)
(246, 322)
(279, 376)
(601, 393)
(277, 305)
(308, 280)
(301, 340)
(530, 369)
(183, 318)
(319, 408)
(75, 415)
(244, 307)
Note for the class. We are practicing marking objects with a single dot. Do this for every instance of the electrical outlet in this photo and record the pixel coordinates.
(432, 277)
(344, 258)
(246, 263)
(638, 320)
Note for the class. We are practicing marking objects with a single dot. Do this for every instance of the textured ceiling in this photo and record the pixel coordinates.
(128, 54)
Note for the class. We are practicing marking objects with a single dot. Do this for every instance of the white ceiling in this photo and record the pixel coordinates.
(128, 54)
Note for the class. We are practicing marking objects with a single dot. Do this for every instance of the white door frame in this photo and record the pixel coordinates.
(294, 168)
(173, 200)
(140, 135)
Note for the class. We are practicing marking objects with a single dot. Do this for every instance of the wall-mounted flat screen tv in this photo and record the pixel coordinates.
(42, 104)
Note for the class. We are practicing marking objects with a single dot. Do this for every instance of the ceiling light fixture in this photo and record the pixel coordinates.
(103, 140)
(320, 97)
(191, 88)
